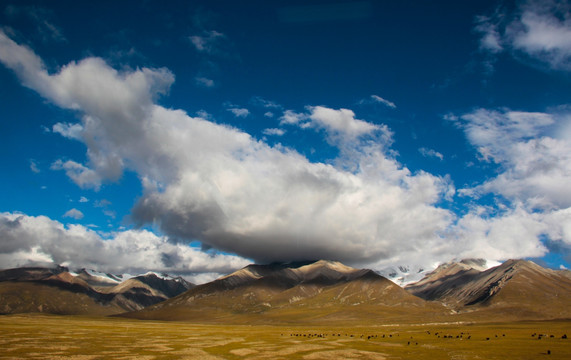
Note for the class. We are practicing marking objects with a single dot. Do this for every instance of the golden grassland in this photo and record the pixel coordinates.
(37, 336)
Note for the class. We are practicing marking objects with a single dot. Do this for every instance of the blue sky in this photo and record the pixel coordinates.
(371, 132)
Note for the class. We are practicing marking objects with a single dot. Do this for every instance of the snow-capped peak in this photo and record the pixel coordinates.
(403, 275)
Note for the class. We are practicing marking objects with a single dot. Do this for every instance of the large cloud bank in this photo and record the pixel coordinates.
(216, 184)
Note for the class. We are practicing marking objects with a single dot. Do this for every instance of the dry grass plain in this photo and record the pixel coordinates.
(69, 337)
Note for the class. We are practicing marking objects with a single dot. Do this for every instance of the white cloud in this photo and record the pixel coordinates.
(536, 168)
(70, 131)
(216, 184)
(74, 214)
(290, 117)
(515, 233)
(532, 184)
(269, 114)
(239, 112)
(379, 99)
(29, 239)
(340, 122)
(543, 31)
(539, 31)
(274, 132)
(83, 199)
(84, 177)
(430, 153)
(341, 127)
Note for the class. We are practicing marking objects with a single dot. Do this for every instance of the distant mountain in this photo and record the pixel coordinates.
(59, 291)
(516, 289)
(320, 291)
(403, 275)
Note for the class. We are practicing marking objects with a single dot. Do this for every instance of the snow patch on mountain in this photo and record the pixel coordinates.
(403, 275)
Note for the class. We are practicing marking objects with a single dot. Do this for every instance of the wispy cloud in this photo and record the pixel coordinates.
(205, 82)
(34, 167)
(380, 100)
(430, 153)
(42, 18)
(207, 41)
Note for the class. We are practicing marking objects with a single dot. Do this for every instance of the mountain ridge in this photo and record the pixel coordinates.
(325, 290)
(516, 288)
(49, 289)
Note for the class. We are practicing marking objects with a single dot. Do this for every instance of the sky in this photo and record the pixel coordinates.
(197, 137)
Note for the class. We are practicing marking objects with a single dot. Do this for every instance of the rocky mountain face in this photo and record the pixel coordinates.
(517, 288)
(57, 290)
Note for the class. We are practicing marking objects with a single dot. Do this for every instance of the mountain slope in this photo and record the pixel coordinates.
(58, 291)
(323, 291)
(515, 289)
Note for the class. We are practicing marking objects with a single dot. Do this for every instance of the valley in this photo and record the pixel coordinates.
(73, 337)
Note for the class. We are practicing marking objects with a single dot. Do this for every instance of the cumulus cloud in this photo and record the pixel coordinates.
(74, 214)
(538, 32)
(534, 170)
(341, 127)
(218, 185)
(29, 239)
(340, 122)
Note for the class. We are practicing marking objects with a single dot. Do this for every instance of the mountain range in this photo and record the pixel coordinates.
(87, 292)
(304, 292)
(515, 289)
